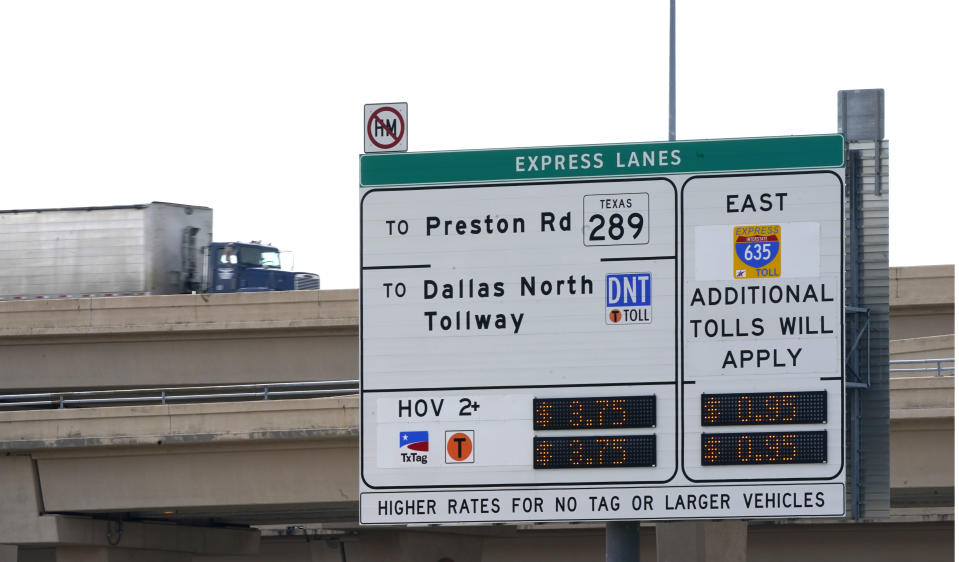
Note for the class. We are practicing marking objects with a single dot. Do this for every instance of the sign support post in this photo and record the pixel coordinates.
(622, 541)
(861, 119)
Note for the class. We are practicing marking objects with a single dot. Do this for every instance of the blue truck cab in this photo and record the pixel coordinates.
(237, 267)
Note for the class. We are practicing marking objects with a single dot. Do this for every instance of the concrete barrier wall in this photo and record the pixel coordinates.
(921, 301)
(129, 342)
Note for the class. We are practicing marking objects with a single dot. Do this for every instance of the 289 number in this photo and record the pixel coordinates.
(617, 226)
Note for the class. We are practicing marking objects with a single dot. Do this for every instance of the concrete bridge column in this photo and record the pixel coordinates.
(701, 541)
(8, 553)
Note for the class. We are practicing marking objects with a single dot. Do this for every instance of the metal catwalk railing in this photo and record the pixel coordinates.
(913, 367)
(178, 394)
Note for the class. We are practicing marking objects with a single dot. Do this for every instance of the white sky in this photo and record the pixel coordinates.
(256, 108)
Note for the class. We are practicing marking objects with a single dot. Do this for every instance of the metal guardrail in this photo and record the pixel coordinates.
(181, 394)
(941, 367)
(287, 390)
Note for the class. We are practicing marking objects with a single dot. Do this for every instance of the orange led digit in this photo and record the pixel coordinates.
(619, 445)
(575, 413)
(744, 409)
(619, 405)
(789, 401)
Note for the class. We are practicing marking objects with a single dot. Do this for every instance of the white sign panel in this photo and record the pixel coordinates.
(615, 346)
(762, 327)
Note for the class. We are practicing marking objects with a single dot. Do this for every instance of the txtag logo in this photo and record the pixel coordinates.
(412, 446)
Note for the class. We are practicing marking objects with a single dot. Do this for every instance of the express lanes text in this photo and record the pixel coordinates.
(596, 160)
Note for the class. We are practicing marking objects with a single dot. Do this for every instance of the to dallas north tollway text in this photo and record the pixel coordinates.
(510, 321)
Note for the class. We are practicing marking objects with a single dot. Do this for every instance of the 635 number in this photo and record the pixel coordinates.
(758, 252)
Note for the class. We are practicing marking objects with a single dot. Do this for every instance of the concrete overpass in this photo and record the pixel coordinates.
(229, 481)
(125, 342)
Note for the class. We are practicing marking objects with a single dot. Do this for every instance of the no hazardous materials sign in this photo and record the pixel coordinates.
(385, 127)
(648, 331)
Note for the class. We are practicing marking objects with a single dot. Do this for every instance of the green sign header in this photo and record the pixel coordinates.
(608, 160)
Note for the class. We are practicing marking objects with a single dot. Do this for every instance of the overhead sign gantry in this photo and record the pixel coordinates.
(644, 331)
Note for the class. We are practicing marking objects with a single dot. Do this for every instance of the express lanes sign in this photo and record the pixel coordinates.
(534, 322)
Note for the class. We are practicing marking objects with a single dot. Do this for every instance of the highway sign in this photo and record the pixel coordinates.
(384, 127)
(649, 331)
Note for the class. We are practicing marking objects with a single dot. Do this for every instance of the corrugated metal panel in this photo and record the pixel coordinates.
(862, 114)
(53, 251)
(872, 291)
(129, 249)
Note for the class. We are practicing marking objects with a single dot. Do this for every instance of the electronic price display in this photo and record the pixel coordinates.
(798, 447)
(594, 413)
(635, 332)
(764, 408)
(594, 451)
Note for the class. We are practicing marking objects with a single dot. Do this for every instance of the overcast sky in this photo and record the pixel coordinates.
(256, 108)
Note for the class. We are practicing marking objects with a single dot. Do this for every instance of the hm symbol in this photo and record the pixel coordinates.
(383, 127)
